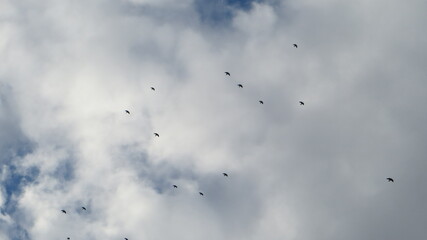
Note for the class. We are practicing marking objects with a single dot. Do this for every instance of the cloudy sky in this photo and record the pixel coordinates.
(69, 69)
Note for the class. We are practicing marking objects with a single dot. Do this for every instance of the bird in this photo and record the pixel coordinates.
(64, 211)
(153, 89)
(201, 194)
(68, 238)
(175, 186)
(126, 239)
(240, 85)
(227, 74)
(301, 103)
(225, 174)
(127, 111)
(390, 179)
(156, 134)
(84, 208)
(295, 45)
(261, 102)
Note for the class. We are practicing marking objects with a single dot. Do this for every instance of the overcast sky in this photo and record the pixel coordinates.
(70, 69)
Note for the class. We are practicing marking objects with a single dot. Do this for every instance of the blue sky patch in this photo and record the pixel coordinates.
(220, 11)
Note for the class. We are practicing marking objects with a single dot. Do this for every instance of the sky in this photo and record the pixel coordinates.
(70, 69)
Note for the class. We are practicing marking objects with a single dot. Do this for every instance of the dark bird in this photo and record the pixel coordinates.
(127, 111)
(295, 45)
(156, 134)
(390, 179)
(153, 89)
(240, 85)
(201, 194)
(84, 208)
(68, 238)
(261, 102)
(175, 186)
(64, 211)
(225, 174)
(126, 239)
(227, 73)
(301, 103)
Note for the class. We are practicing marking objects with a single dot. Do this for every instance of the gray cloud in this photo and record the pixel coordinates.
(69, 70)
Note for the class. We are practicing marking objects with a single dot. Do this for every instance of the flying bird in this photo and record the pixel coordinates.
(156, 134)
(68, 238)
(390, 179)
(201, 194)
(127, 111)
(227, 73)
(64, 211)
(240, 85)
(295, 45)
(261, 102)
(84, 208)
(175, 186)
(301, 103)
(153, 89)
(126, 239)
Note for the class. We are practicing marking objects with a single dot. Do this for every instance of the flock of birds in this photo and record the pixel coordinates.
(224, 174)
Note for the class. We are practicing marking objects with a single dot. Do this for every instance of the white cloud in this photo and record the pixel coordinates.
(70, 69)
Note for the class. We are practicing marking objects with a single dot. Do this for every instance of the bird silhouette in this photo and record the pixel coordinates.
(261, 102)
(175, 186)
(64, 211)
(295, 45)
(227, 74)
(390, 179)
(156, 134)
(126, 239)
(225, 174)
(68, 238)
(153, 89)
(84, 208)
(240, 85)
(127, 111)
(301, 103)
(201, 194)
